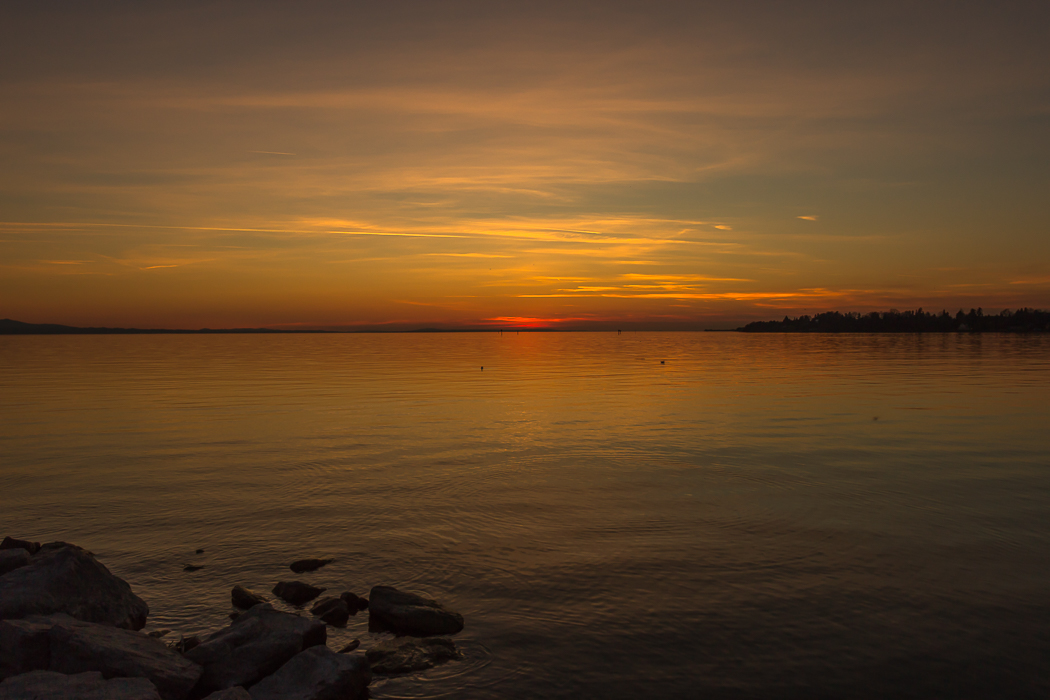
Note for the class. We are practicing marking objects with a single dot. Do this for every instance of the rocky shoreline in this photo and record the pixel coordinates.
(71, 629)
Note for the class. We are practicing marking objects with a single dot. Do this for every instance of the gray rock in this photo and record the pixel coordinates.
(15, 543)
(245, 598)
(317, 674)
(24, 646)
(308, 565)
(235, 693)
(410, 614)
(334, 611)
(254, 645)
(63, 578)
(296, 592)
(404, 654)
(76, 647)
(43, 685)
(11, 559)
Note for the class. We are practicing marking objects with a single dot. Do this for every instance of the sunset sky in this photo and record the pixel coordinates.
(489, 164)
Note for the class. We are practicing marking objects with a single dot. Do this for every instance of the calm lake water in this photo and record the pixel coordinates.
(650, 515)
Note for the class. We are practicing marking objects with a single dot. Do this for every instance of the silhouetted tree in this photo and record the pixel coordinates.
(893, 321)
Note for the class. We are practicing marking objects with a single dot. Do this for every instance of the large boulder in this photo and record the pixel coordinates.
(404, 654)
(11, 559)
(296, 592)
(63, 578)
(409, 614)
(67, 645)
(255, 645)
(40, 685)
(24, 646)
(77, 646)
(317, 674)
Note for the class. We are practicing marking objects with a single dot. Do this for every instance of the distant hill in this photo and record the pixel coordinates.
(893, 321)
(11, 327)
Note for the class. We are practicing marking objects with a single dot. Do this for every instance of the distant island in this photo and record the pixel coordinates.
(919, 321)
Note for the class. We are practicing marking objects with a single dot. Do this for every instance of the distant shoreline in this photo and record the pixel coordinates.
(1021, 321)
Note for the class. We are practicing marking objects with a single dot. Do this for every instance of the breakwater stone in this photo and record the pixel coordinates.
(236, 693)
(253, 646)
(296, 592)
(11, 559)
(15, 543)
(66, 645)
(317, 674)
(304, 565)
(39, 685)
(410, 614)
(334, 611)
(63, 578)
(245, 598)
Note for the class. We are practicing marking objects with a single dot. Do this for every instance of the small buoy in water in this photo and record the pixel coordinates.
(483, 368)
(200, 551)
(875, 418)
(661, 362)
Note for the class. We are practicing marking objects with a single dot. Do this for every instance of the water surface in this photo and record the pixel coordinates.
(669, 515)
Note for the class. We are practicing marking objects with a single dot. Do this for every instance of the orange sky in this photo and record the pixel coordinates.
(656, 165)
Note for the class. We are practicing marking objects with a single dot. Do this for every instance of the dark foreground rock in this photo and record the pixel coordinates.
(11, 559)
(404, 654)
(296, 592)
(15, 543)
(39, 685)
(24, 646)
(410, 614)
(117, 653)
(66, 645)
(63, 578)
(317, 674)
(254, 645)
(245, 598)
(236, 693)
(304, 565)
(333, 611)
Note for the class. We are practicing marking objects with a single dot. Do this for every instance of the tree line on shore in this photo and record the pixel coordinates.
(893, 321)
